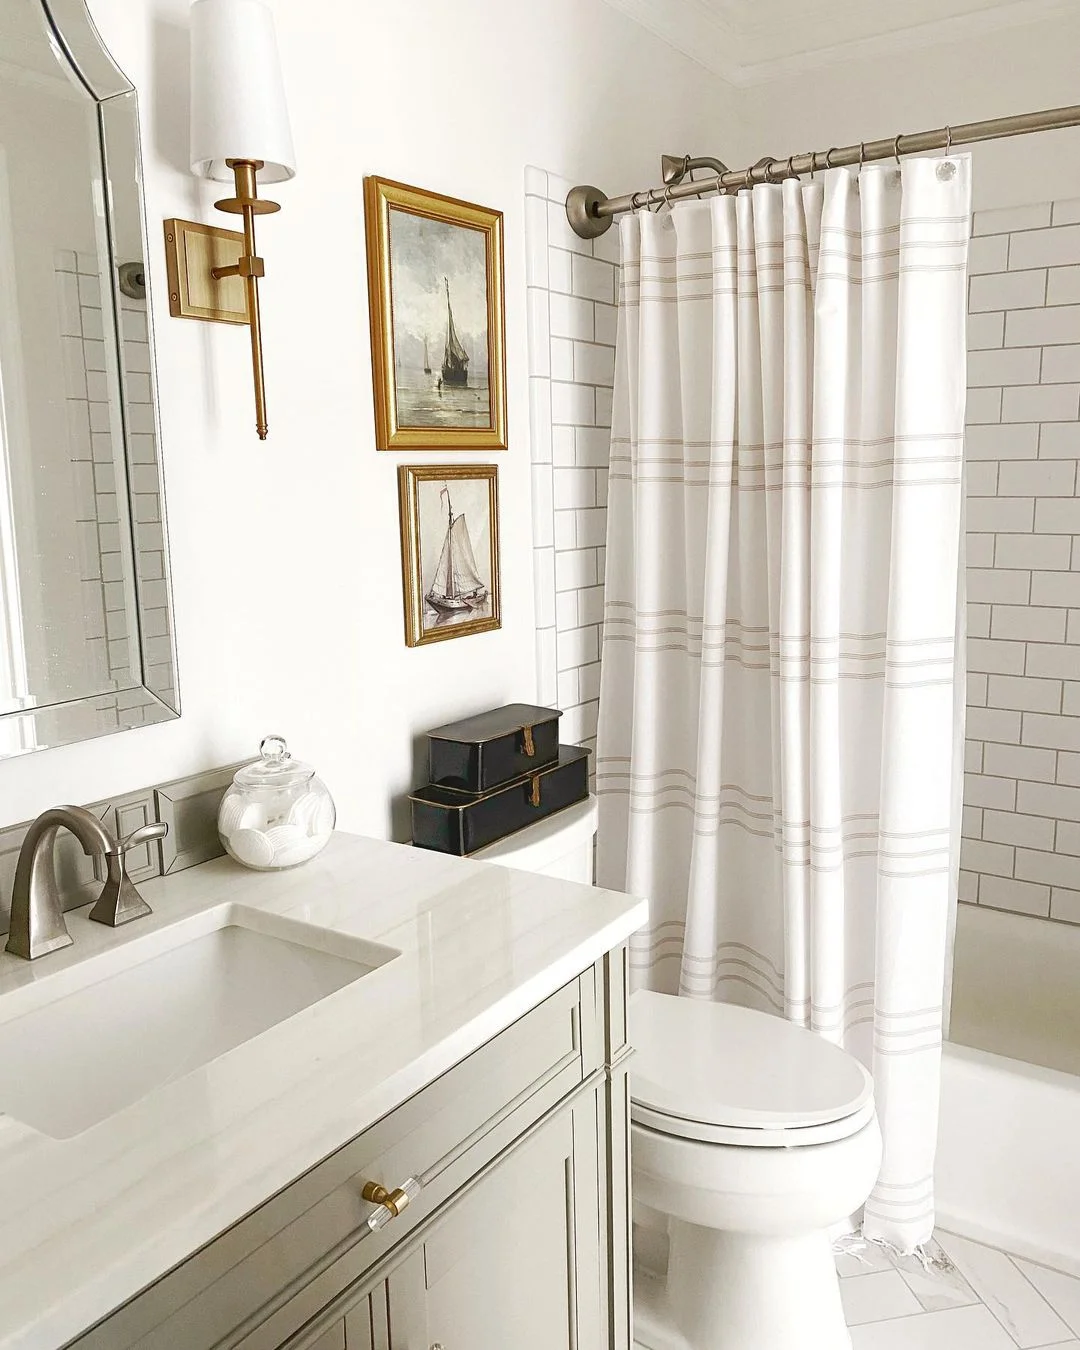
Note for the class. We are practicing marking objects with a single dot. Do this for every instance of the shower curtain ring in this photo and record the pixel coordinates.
(896, 148)
(948, 140)
(791, 167)
(828, 156)
(862, 153)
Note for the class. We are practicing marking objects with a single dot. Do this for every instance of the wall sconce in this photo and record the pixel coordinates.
(239, 129)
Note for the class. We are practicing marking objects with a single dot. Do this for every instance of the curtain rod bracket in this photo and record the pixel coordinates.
(581, 211)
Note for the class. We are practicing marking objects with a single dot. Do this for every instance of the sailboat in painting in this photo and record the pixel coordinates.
(427, 359)
(456, 585)
(455, 363)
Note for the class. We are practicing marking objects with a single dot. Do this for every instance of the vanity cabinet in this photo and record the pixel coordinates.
(518, 1237)
(516, 1261)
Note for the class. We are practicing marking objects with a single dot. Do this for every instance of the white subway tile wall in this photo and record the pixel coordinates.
(1021, 845)
(101, 560)
(572, 314)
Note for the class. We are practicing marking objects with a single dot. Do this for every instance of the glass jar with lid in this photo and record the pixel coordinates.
(276, 813)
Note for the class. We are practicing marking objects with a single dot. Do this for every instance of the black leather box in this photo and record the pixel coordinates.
(494, 748)
(449, 821)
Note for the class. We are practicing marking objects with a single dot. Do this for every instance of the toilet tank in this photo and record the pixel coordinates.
(561, 846)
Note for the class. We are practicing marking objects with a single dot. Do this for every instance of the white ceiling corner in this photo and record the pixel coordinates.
(750, 42)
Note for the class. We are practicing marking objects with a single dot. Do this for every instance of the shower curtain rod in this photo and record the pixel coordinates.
(590, 212)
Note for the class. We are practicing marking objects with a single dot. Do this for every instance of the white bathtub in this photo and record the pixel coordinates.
(1008, 1167)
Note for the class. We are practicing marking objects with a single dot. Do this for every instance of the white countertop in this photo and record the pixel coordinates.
(87, 1222)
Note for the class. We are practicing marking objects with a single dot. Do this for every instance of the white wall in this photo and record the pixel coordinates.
(285, 554)
(1016, 70)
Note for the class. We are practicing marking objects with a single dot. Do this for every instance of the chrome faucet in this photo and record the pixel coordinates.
(37, 916)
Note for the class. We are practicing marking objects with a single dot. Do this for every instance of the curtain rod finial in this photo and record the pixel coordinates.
(673, 168)
(581, 204)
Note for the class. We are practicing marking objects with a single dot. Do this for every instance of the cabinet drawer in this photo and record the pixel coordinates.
(312, 1237)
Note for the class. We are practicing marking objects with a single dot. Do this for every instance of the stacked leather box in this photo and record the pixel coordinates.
(494, 774)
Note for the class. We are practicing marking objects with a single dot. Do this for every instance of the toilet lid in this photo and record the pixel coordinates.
(725, 1065)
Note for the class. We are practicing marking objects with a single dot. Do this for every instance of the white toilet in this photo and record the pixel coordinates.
(751, 1138)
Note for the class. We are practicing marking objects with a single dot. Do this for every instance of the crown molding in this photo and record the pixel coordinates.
(698, 31)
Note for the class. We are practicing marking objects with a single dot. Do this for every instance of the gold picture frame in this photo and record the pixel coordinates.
(438, 329)
(449, 550)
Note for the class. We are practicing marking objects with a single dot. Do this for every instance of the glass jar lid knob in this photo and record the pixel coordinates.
(274, 750)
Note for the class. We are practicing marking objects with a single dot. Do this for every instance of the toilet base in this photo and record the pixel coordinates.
(739, 1291)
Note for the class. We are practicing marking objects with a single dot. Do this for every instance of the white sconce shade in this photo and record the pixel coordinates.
(238, 108)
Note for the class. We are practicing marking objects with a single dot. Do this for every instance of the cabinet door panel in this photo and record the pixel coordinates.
(515, 1262)
(333, 1339)
(366, 1323)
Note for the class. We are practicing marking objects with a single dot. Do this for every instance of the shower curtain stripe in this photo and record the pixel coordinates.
(778, 746)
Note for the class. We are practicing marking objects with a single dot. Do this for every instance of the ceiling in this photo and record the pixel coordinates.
(751, 41)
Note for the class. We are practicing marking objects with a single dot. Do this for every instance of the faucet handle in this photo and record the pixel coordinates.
(143, 835)
(120, 901)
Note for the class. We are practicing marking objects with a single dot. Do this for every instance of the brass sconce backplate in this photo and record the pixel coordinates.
(191, 251)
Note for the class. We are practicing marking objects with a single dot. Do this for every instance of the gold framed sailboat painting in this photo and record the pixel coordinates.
(435, 289)
(449, 550)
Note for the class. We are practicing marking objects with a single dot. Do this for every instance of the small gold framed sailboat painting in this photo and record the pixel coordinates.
(435, 293)
(449, 550)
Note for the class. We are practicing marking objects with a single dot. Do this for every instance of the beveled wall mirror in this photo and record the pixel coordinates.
(86, 628)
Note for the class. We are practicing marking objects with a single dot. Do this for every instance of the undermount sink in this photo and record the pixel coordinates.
(130, 1020)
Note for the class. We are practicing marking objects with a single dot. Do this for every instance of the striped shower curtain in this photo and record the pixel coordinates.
(781, 707)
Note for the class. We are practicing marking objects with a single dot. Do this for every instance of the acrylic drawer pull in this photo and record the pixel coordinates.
(390, 1203)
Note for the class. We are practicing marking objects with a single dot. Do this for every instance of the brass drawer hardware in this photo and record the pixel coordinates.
(534, 795)
(530, 744)
(390, 1203)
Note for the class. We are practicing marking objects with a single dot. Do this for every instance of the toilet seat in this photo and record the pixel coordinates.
(736, 1136)
(724, 1074)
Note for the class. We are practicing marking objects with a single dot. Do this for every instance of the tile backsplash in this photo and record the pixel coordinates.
(1021, 847)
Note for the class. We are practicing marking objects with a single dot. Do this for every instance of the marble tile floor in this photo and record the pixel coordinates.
(971, 1298)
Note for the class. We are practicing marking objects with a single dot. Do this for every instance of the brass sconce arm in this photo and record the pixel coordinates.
(195, 288)
(248, 204)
